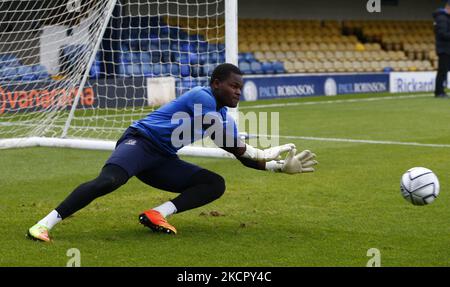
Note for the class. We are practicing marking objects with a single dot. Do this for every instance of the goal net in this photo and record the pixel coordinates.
(77, 73)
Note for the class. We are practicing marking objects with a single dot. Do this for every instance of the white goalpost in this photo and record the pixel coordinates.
(77, 73)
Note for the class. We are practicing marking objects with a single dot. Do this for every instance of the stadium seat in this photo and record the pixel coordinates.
(278, 67)
(95, 71)
(209, 68)
(269, 56)
(134, 70)
(196, 71)
(245, 68)
(125, 57)
(267, 68)
(10, 73)
(122, 70)
(9, 60)
(147, 70)
(256, 67)
(185, 70)
(328, 66)
(289, 67)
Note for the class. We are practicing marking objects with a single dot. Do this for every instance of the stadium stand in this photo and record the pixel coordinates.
(11, 69)
(315, 46)
(266, 46)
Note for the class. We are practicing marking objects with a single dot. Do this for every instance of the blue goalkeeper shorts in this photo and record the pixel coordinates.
(140, 157)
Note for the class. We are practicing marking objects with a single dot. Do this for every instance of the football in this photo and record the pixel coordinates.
(419, 185)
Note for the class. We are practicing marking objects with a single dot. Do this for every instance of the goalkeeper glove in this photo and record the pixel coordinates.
(269, 154)
(302, 162)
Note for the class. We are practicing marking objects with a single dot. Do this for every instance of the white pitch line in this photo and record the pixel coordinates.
(359, 141)
(335, 101)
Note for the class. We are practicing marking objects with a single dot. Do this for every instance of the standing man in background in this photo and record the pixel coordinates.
(442, 32)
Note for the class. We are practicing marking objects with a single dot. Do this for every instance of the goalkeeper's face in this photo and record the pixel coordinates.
(228, 91)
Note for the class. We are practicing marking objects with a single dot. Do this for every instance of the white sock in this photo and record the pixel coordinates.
(51, 219)
(166, 209)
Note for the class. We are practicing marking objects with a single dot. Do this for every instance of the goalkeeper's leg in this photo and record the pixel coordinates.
(197, 187)
(110, 178)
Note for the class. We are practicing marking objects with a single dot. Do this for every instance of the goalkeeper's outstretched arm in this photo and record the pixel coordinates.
(269, 159)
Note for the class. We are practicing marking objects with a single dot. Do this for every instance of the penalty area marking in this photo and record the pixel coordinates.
(336, 101)
(360, 141)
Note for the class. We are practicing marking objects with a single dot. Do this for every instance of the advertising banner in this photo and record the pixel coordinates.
(291, 86)
(409, 82)
(102, 93)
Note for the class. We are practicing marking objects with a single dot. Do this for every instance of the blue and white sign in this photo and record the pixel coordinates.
(408, 82)
(290, 86)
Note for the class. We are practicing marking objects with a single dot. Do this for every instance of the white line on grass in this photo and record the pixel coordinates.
(359, 141)
(335, 101)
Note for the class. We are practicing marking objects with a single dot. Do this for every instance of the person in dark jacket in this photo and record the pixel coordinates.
(442, 32)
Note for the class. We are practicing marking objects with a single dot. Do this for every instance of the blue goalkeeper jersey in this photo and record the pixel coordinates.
(188, 110)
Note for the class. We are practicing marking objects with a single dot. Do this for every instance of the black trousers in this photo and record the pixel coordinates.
(201, 188)
(441, 78)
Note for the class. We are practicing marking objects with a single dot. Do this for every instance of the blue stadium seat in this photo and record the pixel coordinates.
(135, 58)
(157, 69)
(196, 71)
(40, 72)
(245, 68)
(256, 67)
(267, 68)
(198, 46)
(145, 44)
(124, 46)
(188, 83)
(189, 58)
(125, 57)
(184, 46)
(203, 58)
(164, 45)
(213, 57)
(222, 57)
(166, 56)
(173, 32)
(123, 70)
(279, 67)
(163, 31)
(183, 35)
(196, 37)
(172, 69)
(155, 56)
(134, 70)
(185, 70)
(154, 44)
(249, 57)
(25, 73)
(147, 70)
(208, 69)
(95, 70)
(9, 60)
(174, 45)
(146, 57)
(134, 44)
(10, 73)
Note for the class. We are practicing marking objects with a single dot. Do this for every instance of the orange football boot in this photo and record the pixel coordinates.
(156, 222)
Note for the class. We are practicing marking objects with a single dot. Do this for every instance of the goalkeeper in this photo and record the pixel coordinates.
(147, 150)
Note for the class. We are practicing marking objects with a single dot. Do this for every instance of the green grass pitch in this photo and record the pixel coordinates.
(329, 218)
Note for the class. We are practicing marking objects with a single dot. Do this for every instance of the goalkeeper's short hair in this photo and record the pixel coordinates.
(223, 71)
